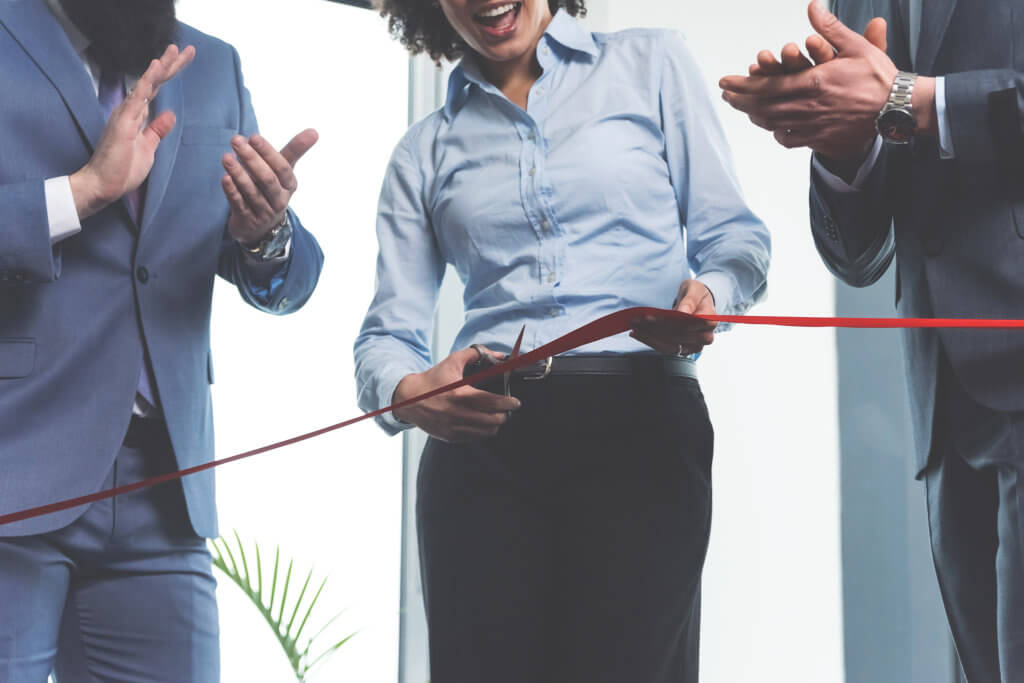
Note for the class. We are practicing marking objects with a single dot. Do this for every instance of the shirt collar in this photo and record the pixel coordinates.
(78, 40)
(564, 29)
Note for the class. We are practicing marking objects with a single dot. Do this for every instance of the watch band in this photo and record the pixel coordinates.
(896, 122)
(273, 243)
(902, 94)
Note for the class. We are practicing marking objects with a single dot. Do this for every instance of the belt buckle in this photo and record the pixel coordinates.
(543, 375)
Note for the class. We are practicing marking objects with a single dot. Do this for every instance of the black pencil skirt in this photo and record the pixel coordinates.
(570, 546)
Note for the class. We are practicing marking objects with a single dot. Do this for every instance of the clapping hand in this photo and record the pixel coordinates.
(124, 156)
(260, 182)
(830, 104)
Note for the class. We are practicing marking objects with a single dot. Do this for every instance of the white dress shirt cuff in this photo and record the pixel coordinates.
(946, 149)
(836, 183)
(61, 212)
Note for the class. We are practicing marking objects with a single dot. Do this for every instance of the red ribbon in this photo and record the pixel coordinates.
(605, 327)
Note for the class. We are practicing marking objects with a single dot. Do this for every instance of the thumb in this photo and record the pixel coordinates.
(299, 145)
(875, 33)
(688, 299)
(460, 359)
(158, 129)
(831, 29)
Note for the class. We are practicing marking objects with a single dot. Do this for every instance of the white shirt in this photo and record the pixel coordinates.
(946, 150)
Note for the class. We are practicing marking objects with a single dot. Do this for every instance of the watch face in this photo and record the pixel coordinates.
(897, 126)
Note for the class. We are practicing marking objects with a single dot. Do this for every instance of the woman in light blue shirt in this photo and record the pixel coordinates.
(563, 527)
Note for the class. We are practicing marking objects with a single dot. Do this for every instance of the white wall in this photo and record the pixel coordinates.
(334, 503)
(772, 586)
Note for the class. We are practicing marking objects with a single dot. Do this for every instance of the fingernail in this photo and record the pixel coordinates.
(519, 404)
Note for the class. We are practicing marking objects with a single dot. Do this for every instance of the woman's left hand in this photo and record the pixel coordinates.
(681, 337)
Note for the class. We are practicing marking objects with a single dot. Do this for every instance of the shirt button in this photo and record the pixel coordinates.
(553, 312)
(142, 274)
(533, 137)
(552, 277)
(545, 226)
(533, 171)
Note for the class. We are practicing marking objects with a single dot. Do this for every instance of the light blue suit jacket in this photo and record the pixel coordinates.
(75, 317)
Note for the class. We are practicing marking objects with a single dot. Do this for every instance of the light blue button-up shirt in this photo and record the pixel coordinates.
(614, 186)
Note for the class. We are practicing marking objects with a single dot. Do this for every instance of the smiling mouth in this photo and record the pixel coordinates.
(499, 20)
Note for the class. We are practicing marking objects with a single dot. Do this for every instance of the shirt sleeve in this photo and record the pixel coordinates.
(728, 247)
(946, 148)
(395, 338)
(61, 212)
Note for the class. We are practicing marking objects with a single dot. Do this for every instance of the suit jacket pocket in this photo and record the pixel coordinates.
(207, 135)
(17, 358)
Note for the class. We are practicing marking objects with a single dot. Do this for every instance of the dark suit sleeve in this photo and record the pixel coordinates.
(25, 252)
(287, 290)
(853, 231)
(986, 115)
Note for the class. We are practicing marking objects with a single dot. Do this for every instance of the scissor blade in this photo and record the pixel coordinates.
(515, 354)
(519, 344)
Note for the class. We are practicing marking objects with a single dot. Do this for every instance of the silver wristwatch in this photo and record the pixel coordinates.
(273, 244)
(896, 123)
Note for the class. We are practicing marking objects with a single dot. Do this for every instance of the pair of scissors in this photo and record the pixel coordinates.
(486, 360)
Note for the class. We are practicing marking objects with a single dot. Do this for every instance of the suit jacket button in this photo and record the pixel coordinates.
(142, 274)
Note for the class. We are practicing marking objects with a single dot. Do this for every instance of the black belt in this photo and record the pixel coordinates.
(144, 432)
(606, 365)
(609, 365)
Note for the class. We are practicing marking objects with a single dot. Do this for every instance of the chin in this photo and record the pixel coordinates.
(507, 52)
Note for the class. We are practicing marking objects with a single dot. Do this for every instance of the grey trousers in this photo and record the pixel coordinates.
(124, 594)
(975, 498)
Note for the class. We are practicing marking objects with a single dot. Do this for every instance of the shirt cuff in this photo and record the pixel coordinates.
(61, 212)
(722, 289)
(836, 183)
(946, 150)
(388, 385)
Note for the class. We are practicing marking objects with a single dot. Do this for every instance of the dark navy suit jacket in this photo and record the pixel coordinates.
(954, 227)
(75, 317)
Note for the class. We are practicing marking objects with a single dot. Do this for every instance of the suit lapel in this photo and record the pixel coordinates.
(170, 98)
(935, 18)
(35, 28)
(899, 33)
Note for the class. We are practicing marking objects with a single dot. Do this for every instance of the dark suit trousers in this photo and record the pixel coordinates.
(975, 488)
(124, 594)
(570, 547)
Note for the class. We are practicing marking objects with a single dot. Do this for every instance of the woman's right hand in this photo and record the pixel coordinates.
(466, 414)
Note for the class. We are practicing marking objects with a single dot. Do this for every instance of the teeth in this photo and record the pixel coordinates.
(498, 11)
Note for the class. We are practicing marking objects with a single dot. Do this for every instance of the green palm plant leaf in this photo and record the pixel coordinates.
(298, 651)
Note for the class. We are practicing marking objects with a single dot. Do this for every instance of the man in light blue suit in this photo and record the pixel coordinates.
(118, 207)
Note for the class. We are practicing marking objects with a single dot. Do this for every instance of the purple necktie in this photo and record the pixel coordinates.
(111, 95)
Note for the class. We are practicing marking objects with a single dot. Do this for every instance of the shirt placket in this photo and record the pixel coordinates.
(537, 187)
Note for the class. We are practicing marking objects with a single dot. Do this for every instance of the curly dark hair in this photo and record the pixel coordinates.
(422, 26)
